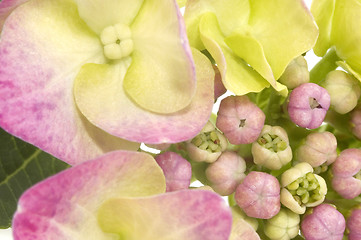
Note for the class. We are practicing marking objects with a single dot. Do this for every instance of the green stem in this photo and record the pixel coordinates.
(324, 66)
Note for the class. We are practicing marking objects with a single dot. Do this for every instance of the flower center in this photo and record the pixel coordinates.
(208, 141)
(272, 142)
(313, 103)
(358, 175)
(242, 123)
(117, 41)
(305, 189)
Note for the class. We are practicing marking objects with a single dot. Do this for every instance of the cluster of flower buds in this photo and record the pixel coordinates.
(281, 160)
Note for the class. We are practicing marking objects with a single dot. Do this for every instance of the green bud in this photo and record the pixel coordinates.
(293, 186)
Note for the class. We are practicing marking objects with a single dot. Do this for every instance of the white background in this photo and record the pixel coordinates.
(5, 234)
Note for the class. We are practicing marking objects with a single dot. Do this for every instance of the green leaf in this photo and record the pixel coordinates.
(21, 166)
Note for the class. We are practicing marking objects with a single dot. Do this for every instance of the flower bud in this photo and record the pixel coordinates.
(344, 90)
(318, 149)
(219, 88)
(226, 173)
(272, 149)
(259, 195)
(283, 226)
(356, 122)
(301, 188)
(176, 169)
(296, 73)
(346, 173)
(207, 146)
(308, 105)
(240, 120)
(354, 224)
(325, 222)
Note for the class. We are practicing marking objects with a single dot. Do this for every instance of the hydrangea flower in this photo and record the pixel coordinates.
(308, 105)
(267, 35)
(283, 226)
(95, 72)
(355, 122)
(240, 120)
(119, 195)
(346, 172)
(226, 173)
(344, 90)
(208, 145)
(272, 149)
(259, 195)
(319, 150)
(301, 188)
(354, 224)
(324, 222)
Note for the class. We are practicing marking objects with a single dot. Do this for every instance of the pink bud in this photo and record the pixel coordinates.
(354, 224)
(319, 148)
(346, 173)
(324, 223)
(176, 169)
(240, 120)
(259, 195)
(308, 105)
(226, 173)
(356, 122)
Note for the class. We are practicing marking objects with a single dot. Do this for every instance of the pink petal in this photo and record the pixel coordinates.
(177, 170)
(39, 60)
(64, 206)
(6, 7)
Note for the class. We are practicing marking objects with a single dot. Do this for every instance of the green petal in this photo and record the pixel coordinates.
(322, 11)
(161, 77)
(349, 69)
(237, 76)
(183, 215)
(249, 49)
(284, 28)
(345, 32)
(99, 14)
(231, 15)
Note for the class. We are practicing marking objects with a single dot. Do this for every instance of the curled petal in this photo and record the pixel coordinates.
(233, 70)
